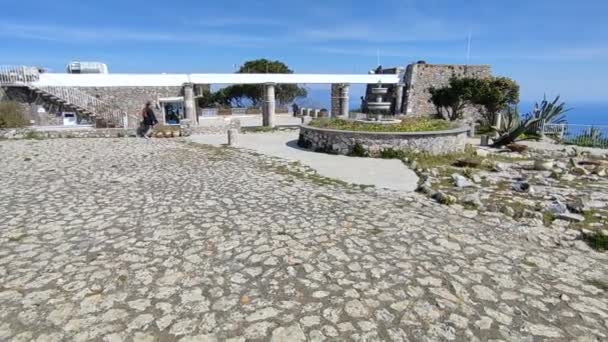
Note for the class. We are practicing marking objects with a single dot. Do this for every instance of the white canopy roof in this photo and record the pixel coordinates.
(155, 80)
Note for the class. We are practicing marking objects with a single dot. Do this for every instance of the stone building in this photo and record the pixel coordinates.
(419, 77)
(411, 96)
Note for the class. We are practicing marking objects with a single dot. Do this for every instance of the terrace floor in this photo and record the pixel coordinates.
(382, 173)
(126, 239)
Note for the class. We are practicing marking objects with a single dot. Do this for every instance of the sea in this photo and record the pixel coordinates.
(580, 113)
(595, 114)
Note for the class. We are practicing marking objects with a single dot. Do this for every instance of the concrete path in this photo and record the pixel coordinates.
(381, 173)
(251, 120)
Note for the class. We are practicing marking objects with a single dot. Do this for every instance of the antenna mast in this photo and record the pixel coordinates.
(469, 47)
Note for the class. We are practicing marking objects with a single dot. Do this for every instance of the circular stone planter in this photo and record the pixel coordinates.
(342, 142)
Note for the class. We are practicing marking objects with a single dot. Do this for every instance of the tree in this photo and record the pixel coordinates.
(284, 93)
(494, 96)
(451, 100)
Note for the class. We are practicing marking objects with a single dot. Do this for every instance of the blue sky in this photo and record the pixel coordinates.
(547, 46)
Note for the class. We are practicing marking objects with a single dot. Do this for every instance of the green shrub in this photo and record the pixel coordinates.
(389, 153)
(597, 241)
(11, 115)
(33, 135)
(358, 151)
(406, 125)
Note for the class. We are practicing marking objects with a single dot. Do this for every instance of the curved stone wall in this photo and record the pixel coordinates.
(343, 142)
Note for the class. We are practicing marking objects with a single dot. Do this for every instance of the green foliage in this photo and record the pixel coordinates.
(494, 96)
(11, 115)
(407, 125)
(33, 135)
(237, 94)
(389, 153)
(451, 100)
(358, 151)
(592, 137)
(548, 218)
(263, 129)
(545, 111)
(553, 112)
(597, 241)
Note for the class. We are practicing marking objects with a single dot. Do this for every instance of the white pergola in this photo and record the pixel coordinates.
(188, 81)
(154, 80)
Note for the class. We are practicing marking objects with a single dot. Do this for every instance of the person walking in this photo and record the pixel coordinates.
(148, 120)
(295, 108)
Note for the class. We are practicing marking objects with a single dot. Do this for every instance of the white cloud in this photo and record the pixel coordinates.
(109, 35)
(558, 54)
(236, 22)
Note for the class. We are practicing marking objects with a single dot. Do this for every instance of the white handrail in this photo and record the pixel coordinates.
(27, 76)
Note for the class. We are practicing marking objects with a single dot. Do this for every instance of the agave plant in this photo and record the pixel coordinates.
(543, 112)
(550, 112)
(510, 119)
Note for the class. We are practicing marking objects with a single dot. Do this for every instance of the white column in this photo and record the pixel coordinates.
(189, 105)
(269, 106)
(344, 100)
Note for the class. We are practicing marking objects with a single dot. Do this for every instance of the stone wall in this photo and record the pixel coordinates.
(133, 99)
(343, 142)
(29, 103)
(420, 77)
(187, 130)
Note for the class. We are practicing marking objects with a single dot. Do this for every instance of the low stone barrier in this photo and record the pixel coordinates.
(29, 133)
(343, 142)
(32, 133)
(187, 129)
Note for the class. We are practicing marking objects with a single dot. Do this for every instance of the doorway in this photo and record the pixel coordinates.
(173, 110)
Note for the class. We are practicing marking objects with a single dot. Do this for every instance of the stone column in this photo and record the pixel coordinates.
(269, 106)
(189, 105)
(497, 123)
(335, 100)
(344, 100)
(233, 134)
(398, 99)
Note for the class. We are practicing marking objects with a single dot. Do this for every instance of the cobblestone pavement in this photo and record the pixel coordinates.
(133, 240)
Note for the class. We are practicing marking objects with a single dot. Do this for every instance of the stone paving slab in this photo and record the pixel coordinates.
(382, 173)
(129, 240)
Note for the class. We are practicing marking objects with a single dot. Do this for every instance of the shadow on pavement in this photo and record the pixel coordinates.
(294, 144)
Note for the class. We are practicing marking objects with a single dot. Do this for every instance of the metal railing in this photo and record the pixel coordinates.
(580, 135)
(18, 75)
(111, 115)
(106, 114)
